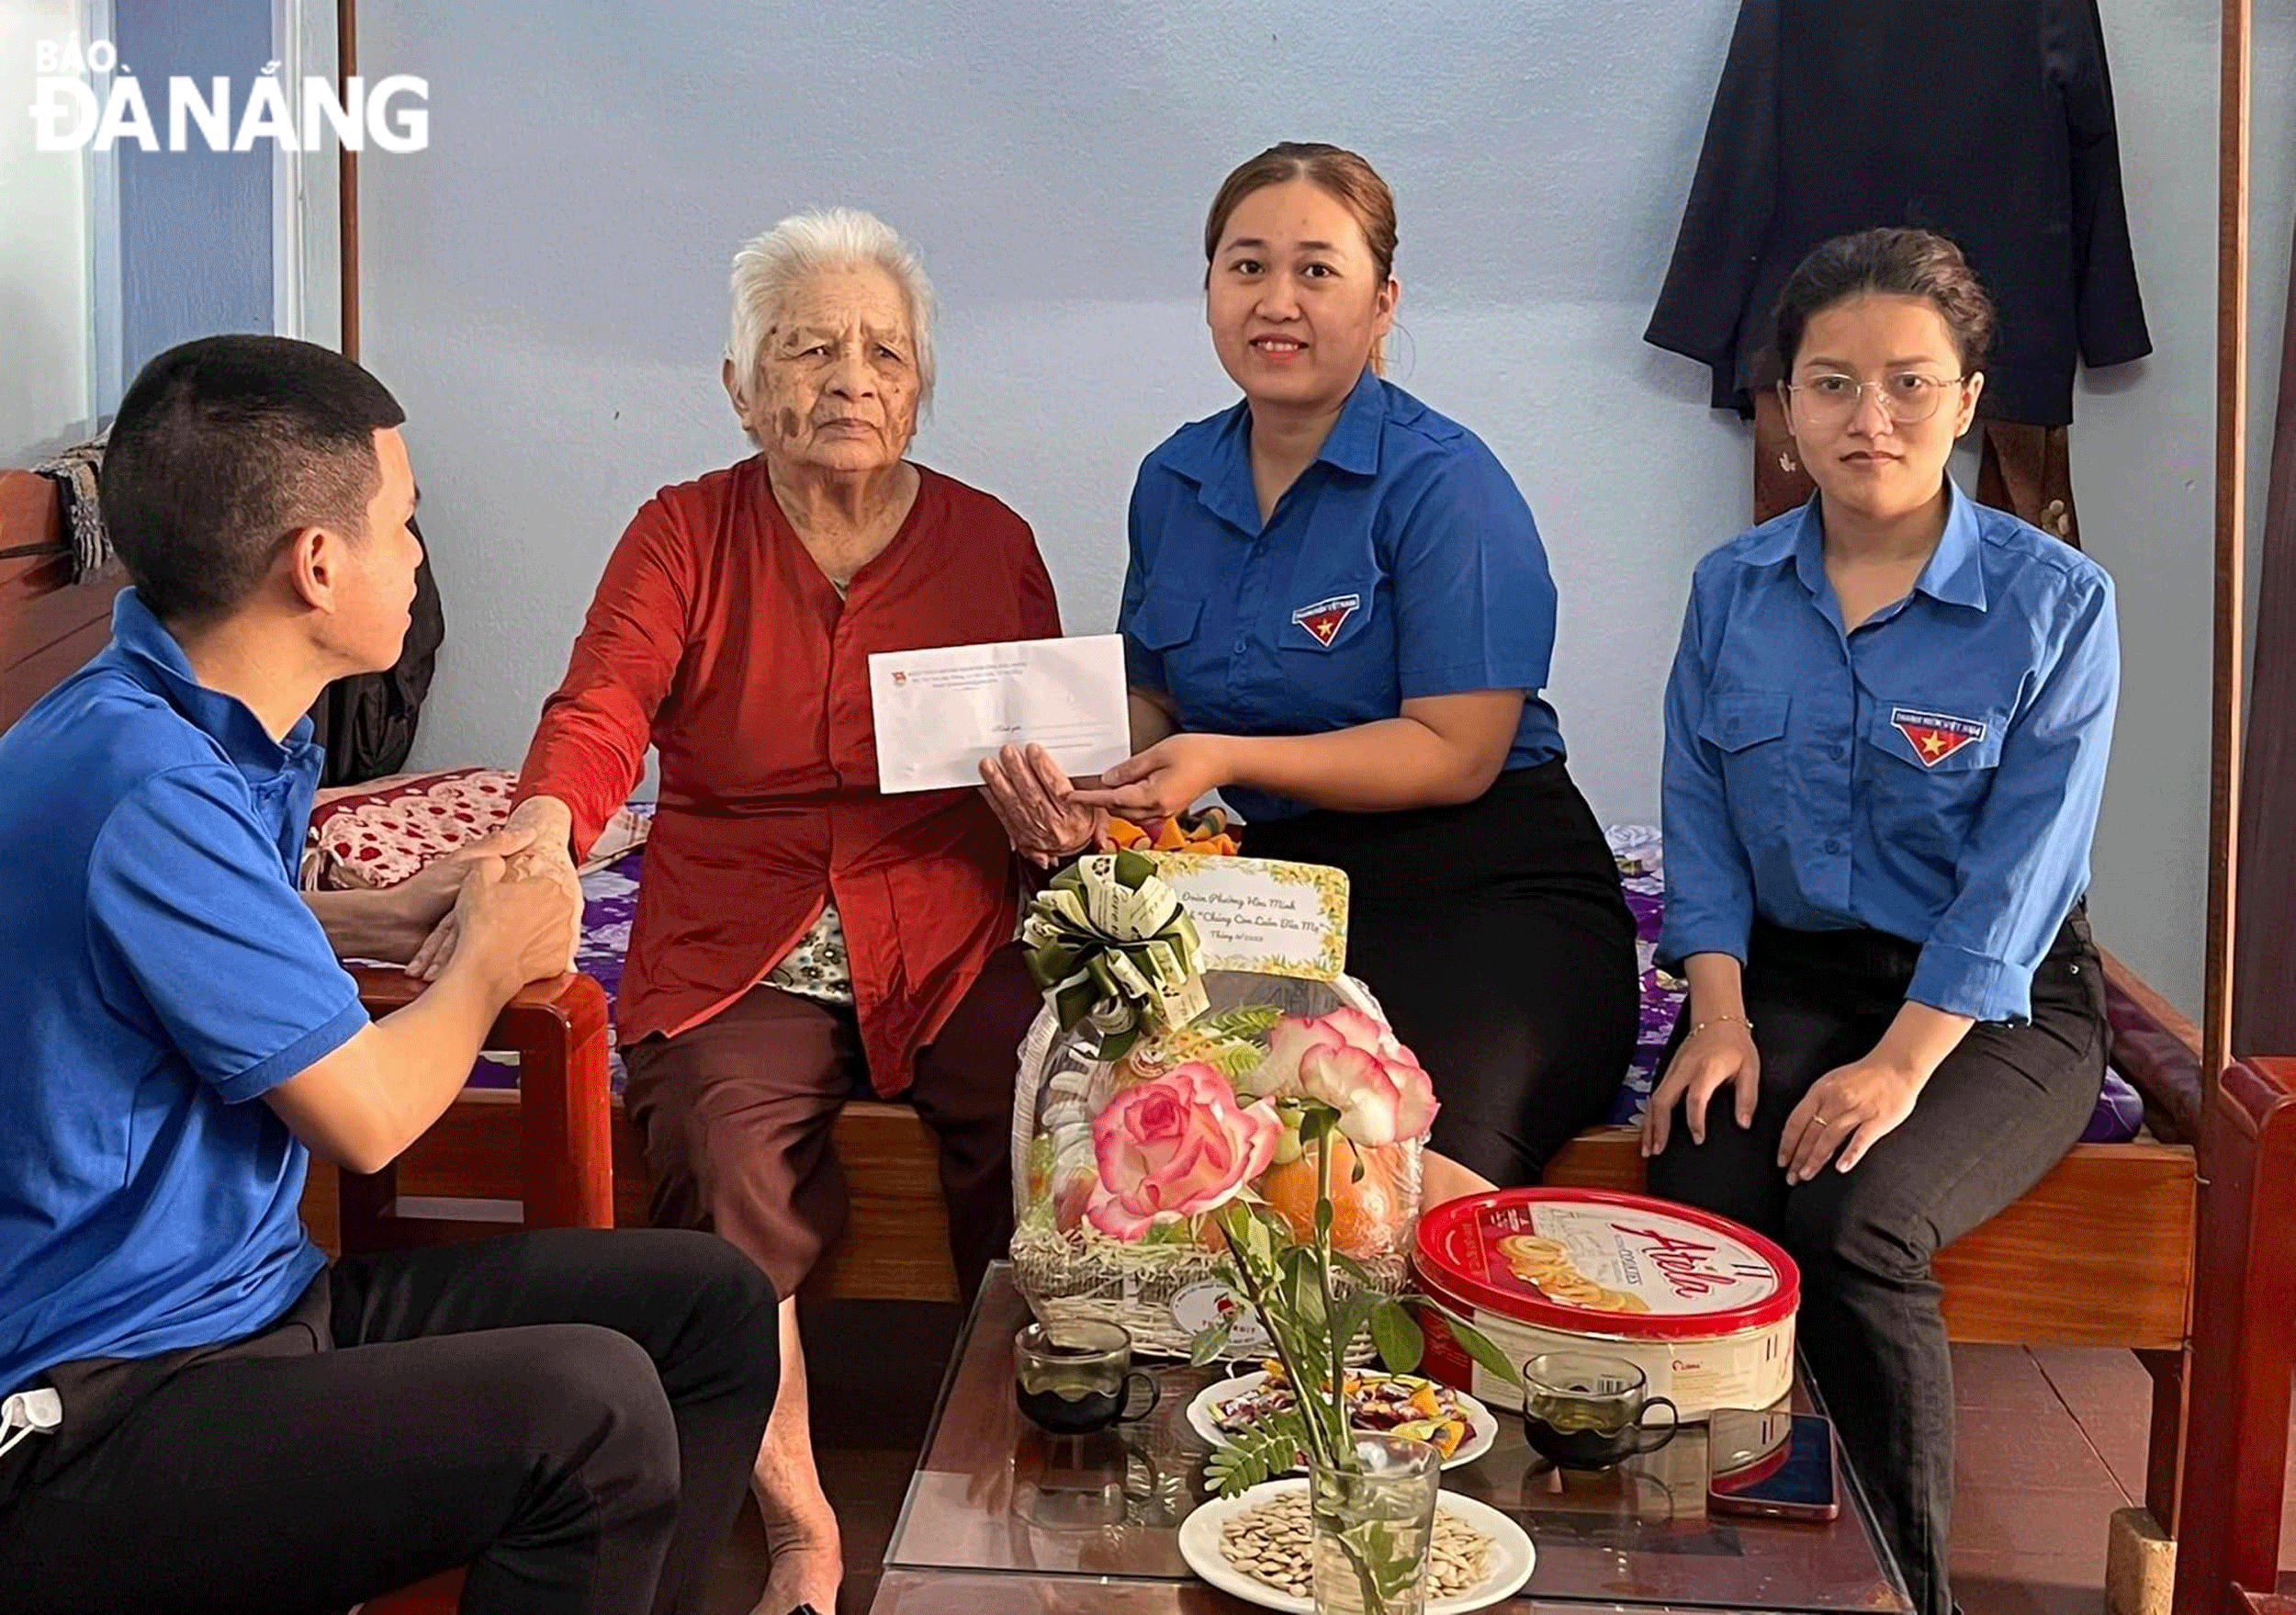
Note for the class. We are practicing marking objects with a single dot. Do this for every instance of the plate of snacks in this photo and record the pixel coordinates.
(1410, 1405)
(1256, 1546)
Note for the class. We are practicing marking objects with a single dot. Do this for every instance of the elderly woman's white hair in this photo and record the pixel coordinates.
(770, 267)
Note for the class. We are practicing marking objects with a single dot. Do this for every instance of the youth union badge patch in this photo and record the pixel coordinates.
(1325, 618)
(1935, 735)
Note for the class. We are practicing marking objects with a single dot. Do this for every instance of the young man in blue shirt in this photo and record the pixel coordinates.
(209, 1417)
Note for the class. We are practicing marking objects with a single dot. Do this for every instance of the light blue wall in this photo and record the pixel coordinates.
(545, 288)
(195, 225)
(46, 252)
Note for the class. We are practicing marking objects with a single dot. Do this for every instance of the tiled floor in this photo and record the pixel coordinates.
(2052, 1443)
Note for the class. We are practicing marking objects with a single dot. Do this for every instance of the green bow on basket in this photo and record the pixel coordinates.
(1110, 940)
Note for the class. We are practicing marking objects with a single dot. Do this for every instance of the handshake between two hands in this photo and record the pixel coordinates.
(513, 898)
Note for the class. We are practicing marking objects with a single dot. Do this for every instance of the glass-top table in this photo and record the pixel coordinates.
(1001, 1517)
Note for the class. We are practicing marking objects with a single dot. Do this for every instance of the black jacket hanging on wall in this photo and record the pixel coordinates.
(366, 721)
(1989, 120)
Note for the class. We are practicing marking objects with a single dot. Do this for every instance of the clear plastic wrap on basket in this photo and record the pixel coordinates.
(1161, 1286)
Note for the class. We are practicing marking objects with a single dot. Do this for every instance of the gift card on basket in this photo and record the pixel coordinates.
(1258, 914)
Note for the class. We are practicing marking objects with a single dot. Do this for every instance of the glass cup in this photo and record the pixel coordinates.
(1075, 1377)
(1372, 1527)
(1583, 1411)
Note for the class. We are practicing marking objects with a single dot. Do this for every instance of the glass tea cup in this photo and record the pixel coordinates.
(1074, 1377)
(1585, 1411)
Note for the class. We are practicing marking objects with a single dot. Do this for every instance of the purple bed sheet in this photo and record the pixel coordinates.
(610, 895)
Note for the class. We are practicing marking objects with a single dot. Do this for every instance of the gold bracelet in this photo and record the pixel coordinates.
(1698, 1026)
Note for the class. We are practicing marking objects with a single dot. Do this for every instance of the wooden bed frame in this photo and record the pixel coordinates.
(2102, 1253)
(2228, 1555)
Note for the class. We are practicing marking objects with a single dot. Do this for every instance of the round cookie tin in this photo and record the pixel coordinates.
(1703, 1307)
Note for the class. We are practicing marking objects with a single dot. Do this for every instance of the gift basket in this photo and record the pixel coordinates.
(1153, 1080)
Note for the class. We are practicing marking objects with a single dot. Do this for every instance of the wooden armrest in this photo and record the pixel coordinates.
(2243, 1341)
(2158, 1050)
(573, 1006)
(558, 1029)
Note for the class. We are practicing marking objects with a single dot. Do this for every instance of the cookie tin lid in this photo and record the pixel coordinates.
(1586, 1262)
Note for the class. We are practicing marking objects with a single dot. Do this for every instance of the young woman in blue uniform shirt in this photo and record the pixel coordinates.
(1338, 614)
(1885, 738)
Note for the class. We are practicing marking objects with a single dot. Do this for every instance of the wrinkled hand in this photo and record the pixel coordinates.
(1037, 804)
(546, 862)
(520, 921)
(1849, 1109)
(1169, 778)
(1722, 1055)
(553, 864)
(429, 897)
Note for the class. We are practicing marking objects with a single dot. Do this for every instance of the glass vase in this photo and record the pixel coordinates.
(1373, 1525)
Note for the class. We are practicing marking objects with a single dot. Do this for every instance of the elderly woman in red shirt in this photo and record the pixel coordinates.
(798, 931)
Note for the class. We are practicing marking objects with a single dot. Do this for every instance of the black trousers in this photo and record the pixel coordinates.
(574, 1414)
(1495, 937)
(1999, 1112)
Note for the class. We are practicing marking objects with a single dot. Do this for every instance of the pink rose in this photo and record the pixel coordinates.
(1175, 1147)
(1351, 1062)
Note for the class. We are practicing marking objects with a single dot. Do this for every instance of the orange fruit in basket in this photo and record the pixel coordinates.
(1363, 1215)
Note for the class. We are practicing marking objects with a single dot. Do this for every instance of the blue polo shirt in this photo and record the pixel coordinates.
(161, 975)
(1934, 775)
(1401, 564)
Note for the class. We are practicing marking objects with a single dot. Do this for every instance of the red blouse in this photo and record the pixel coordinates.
(715, 637)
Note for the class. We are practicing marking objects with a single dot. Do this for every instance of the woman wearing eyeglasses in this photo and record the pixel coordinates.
(1885, 738)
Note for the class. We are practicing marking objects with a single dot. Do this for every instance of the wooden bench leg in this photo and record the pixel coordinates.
(2163, 1472)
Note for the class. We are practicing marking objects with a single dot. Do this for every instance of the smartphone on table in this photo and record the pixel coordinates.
(1772, 1465)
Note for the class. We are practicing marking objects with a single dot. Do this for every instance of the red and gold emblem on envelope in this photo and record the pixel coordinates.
(1325, 618)
(1935, 736)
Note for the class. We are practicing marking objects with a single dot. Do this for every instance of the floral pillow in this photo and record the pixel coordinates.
(375, 835)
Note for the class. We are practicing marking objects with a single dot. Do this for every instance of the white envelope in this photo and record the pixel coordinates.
(940, 712)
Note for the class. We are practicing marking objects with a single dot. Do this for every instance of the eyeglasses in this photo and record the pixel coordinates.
(1907, 397)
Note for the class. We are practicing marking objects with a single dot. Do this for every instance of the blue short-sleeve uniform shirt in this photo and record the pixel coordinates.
(162, 974)
(1934, 774)
(1402, 563)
